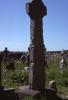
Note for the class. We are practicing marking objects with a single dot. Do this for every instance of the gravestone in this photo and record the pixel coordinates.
(36, 11)
(52, 85)
(8, 60)
(5, 59)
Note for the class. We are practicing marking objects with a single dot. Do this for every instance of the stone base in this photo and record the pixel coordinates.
(49, 94)
(8, 94)
(25, 91)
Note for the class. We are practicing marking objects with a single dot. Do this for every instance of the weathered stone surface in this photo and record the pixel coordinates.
(36, 10)
(24, 90)
(5, 56)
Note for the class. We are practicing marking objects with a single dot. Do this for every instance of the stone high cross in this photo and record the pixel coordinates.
(36, 11)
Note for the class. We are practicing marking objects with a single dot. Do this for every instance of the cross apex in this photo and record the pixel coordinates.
(36, 0)
(36, 9)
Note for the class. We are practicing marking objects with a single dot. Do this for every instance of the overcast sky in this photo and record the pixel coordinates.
(15, 25)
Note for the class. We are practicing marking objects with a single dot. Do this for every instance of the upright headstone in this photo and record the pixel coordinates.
(36, 11)
(5, 56)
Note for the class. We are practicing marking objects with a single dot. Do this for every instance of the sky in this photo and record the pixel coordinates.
(15, 25)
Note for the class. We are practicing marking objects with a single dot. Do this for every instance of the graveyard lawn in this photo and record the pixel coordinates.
(14, 79)
(53, 73)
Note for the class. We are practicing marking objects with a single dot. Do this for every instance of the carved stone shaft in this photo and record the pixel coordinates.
(36, 10)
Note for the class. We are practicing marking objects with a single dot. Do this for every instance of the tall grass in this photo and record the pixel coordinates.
(19, 77)
(53, 73)
(14, 78)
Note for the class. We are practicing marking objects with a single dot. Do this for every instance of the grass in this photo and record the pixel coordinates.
(19, 77)
(53, 73)
(14, 78)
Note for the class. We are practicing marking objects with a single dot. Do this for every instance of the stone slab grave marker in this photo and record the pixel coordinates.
(36, 11)
(8, 60)
(5, 56)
